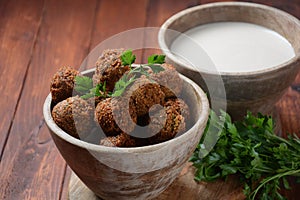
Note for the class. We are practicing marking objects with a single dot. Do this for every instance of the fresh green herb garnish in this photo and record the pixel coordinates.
(84, 86)
(251, 150)
(156, 68)
(127, 57)
(122, 84)
(156, 59)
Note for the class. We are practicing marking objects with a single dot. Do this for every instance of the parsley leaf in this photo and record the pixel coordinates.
(122, 84)
(125, 81)
(127, 57)
(156, 59)
(251, 150)
(156, 68)
(87, 96)
(83, 84)
(139, 70)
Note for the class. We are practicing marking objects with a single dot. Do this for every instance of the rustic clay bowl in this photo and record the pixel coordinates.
(256, 91)
(132, 173)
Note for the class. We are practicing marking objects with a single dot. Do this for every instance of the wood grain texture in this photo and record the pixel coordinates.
(32, 165)
(158, 12)
(292, 7)
(114, 12)
(115, 17)
(184, 187)
(36, 39)
(19, 26)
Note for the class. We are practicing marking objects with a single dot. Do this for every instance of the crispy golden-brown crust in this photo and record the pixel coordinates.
(145, 93)
(121, 140)
(172, 118)
(93, 101)
(112, 109)
(169, 80)
(62, 84)
(118, 116)
(109, 68)
(73, 115)
(180, 106)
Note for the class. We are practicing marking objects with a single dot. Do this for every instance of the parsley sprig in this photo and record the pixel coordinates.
(128, 58)
(84, 85)
(251, 150)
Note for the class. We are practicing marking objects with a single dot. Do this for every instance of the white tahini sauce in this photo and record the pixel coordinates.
(232, 47)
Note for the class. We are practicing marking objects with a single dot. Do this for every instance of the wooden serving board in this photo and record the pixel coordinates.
(184, 187)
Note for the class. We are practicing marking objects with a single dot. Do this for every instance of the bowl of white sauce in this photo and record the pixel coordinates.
(244, 55)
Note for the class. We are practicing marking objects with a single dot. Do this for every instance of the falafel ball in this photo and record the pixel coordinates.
(144, 94)
(109, 68)
(74, 115)
(180, 106)
(169, 80)
(121, 140)
(62, 84)
(173, 118)
(115, 116)
(93, 101)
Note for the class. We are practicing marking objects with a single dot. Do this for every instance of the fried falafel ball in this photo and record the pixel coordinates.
(109, 68)
(121, 140)
(74, 115)
(93, 101)
(169, 80)
(173, 118)
(180, 106)
(115, 116)
(62, 84)
(145, 93)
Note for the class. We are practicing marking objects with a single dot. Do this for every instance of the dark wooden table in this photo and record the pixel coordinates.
(39, 36)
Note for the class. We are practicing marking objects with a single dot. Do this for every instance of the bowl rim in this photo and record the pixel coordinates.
(203, 117)
(166, 50)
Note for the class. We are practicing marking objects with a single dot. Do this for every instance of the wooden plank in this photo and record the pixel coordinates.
(184, 187)
(17, 37)
(212, 1)
(65, 186)
(117, 16)
(32, 165)
(113, 17)
(158, 12)
(288, 108)
(33, 169)
(292, 6)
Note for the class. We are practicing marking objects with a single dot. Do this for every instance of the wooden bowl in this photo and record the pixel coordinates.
(132, 173)
(255, 91)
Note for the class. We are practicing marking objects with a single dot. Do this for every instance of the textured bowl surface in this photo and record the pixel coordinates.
(256, 91)
(132, 173)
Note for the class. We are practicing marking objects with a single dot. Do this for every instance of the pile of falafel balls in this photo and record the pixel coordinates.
(148, 112)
